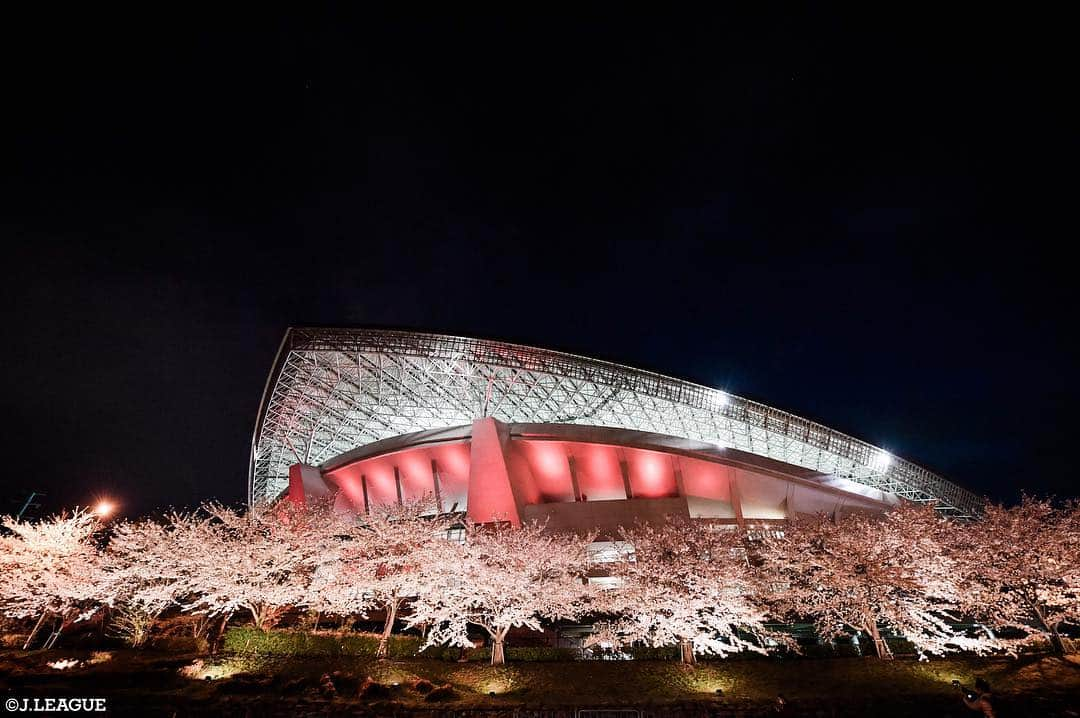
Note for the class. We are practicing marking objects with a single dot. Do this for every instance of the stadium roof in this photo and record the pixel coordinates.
(333, 390)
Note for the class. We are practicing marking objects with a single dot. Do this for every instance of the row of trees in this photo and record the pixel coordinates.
(710, 589)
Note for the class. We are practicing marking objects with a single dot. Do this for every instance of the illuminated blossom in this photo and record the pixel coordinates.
(231, 561)
(865, 573)
(1021, 568)
(687, 584)
(139, 577)
(50, 568)
(503, 578)
(381, 560)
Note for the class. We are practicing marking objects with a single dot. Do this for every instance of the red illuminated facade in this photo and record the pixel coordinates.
(576, 478)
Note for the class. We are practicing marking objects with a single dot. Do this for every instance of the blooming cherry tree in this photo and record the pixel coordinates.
(50, 567)
(1020, 568)
(231, 561)
(396, 553)
(502, 578)
(339, 581)
(140, 576)
(687, 584)
(866, 572)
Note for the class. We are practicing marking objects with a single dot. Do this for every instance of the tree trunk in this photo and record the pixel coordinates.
(686, 653)
(55, 635)
(33, 633)
(265, 616)
(200, 627)
(498, 649)
(1055, 640)
(881, 648)
(384, 640)
(215, 637)
(255, 616)
(1056, 644)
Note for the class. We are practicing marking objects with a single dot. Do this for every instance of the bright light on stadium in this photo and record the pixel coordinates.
(881, 461)
(718, 400)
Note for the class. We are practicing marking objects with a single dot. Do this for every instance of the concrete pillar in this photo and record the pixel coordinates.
(736, 502)
(676, 468)
(306, 483)
(491, 494)
(624, 470)
(397, 485)
(573, 477)
(435, 485)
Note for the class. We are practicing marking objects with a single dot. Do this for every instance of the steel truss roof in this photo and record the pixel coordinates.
(332, 390)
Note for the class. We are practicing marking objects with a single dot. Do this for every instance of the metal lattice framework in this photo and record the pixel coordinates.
(332, 390)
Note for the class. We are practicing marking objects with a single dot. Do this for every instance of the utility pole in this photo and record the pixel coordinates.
(29, 502)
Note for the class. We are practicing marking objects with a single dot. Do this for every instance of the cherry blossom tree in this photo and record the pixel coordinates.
(687, 584)
(869, 572)
(339, 581)
(232, 561)
(50, 568)
(380, 560)
(140, 577)
(1021, 568)
(502, 578)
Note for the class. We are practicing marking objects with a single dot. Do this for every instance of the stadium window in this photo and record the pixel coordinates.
(605, 583)
(762, 534)
(610, 552)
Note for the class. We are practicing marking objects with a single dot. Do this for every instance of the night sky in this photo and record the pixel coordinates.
(866, 220)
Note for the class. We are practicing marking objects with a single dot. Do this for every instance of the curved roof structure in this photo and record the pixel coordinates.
(334, 390)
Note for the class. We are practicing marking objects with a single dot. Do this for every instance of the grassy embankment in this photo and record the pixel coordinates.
(154, 681)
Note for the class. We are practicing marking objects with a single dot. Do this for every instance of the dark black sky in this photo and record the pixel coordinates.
(864, 219)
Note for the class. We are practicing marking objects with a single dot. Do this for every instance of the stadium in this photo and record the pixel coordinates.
(504, 432)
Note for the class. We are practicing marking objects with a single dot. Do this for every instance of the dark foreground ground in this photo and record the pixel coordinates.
(150, 683)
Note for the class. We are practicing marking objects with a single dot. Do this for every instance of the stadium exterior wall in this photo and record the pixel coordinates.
(577, 478)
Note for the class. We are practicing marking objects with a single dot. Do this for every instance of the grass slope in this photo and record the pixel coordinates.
(149, 683)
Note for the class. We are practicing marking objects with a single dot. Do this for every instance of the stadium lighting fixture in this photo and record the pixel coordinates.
(882, 461)
(718, 399)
